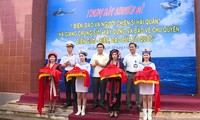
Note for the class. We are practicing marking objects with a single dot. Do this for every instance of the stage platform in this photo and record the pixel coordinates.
(169, 104)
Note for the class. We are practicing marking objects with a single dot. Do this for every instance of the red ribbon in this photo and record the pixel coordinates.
(78, 72)
(148, 75)
(113, 71)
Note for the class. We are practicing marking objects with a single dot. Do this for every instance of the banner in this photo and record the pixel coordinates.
(165, 26)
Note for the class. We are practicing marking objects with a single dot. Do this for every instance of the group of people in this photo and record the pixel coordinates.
(105, 80)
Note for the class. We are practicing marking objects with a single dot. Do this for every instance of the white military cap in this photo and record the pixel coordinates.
(69, 44)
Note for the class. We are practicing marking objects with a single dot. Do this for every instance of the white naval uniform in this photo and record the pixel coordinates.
(147, 88)
(80, 80)
(73, 58)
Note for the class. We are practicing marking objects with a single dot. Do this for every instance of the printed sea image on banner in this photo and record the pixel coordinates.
(165, 26)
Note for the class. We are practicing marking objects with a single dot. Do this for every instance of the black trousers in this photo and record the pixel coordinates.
(116, 106)
(98, 85)
(70, 88)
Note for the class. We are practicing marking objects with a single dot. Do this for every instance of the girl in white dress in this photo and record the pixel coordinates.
(80, 88)
(147, 90)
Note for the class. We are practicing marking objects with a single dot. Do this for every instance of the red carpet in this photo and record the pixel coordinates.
(180, 102)
(100, 114)
(168, 102)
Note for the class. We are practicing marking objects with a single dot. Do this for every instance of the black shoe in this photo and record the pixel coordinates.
(67, 105)
(128, 107)
(94, 106)
(139, 108)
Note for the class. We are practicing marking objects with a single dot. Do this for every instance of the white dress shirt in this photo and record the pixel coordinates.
(103, 59)
(132, 61)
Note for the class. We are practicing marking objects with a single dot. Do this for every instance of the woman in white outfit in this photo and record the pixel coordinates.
(80, 88)
(147, 90)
